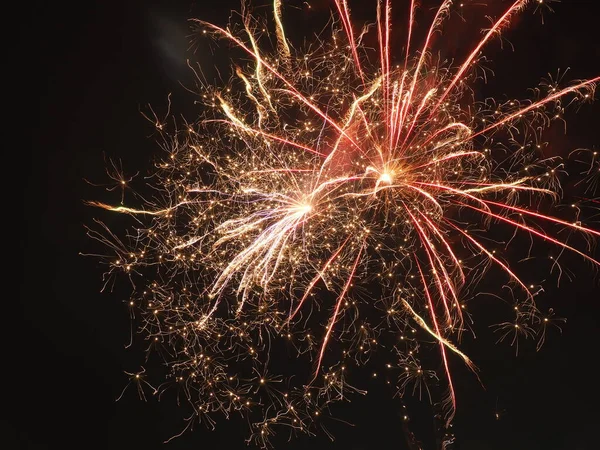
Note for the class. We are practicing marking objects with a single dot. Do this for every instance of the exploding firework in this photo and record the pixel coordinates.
(337, 200)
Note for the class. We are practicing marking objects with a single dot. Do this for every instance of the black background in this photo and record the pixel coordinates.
(100, 63)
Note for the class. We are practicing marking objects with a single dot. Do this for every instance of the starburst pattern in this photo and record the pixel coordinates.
(336, 199)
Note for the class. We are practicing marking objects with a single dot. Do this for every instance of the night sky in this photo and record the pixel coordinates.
(98, 64)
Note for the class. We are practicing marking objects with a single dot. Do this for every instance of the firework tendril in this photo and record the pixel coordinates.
(338, 200)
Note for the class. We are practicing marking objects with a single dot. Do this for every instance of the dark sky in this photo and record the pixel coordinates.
(99, 63)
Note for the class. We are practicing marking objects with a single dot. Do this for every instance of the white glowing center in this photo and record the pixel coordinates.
(385, 178)
(305, 209)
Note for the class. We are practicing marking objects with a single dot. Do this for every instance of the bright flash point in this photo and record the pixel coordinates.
(306, 208)
(385, 178)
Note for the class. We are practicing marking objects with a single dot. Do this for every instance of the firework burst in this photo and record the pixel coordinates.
(339, 198)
